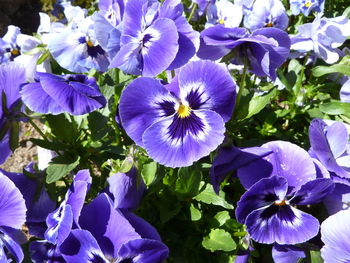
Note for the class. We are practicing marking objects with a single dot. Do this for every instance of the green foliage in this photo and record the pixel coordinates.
(219, 239)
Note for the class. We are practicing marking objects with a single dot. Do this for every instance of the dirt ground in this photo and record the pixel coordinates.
(25, 153)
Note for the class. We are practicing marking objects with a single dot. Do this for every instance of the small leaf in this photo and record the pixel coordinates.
(60, 167)
(337, 68)
(148, 173)
(208, 196)
(255, 105)
(219, 239)
(61, 127)
(221, 217)
(195, 213)
(316, 257)
(187, 182)
(336, 108)
(14, 135)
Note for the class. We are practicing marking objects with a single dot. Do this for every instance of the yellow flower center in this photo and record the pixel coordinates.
(15, 52)
(221, 21)
(269, 24)
(183, 111)
(89, 43)
(308, 4)
(281, 203)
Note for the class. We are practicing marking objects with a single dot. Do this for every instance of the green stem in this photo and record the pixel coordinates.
(300, 80)
(37, 129)
(194, 7)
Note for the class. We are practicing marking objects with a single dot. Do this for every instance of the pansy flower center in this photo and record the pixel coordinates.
(15, 52)
(183, 111)
(221, 21)
(89, 43)
(281, 202)
(308, 4)
(270, 24)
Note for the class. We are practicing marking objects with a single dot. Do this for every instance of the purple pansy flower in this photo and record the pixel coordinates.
(13, 215)
(266, 13)
(184, 121)
(108, 234)
(335, 235)
(9, 48)
(323, 36)
(265, 49)
(75, 94)
(306, 6)
(225, 13)
(268, 212)
(77, 49)
(287, 254)
(289, 179)
(12, 75)
(154, 38)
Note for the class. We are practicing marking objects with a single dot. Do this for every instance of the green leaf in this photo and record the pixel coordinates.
(54, 146)
(255, 105)
(221, 217)
(336, 108)
(208, 196)
(126, 165)
(187, 182)
(60, 167)
(337, 68)
(61, 127)
(43, 57)
(98, 125)
(219, 239)
(195, 213)
(148, 173)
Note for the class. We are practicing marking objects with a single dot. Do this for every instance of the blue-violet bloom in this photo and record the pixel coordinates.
(183, 121)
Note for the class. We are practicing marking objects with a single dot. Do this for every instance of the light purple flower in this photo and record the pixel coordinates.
(184, 121)
(225, 13)
(9, 48)
(266, 13)
(265, 49)
(323, 36)
(335, 235)
(154, 38)
(306, 6)
(77, 49)
(75, 94)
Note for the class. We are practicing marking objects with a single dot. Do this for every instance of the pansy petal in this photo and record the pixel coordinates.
(335, 235)
(160, 48)
(231, 158)
(68, 97)
(59, 224)
(12, 204)
(143, 250)
(81, 246)
(284, 225)
(213, 83)
(142, 227)
(127, 189)
(321, 149)
(12, 75)
(313, 192)
(11, 244)
(109, 227)
(178, 142)
(136, 117)
(292, 162)
(262, 194)
(46, 105)
(128, 59)
(287, 254)
(5, 150)
(337, 137)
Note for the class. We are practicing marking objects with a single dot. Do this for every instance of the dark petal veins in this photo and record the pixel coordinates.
(182, 126)
(194, 98)
(96, 259)
(95, 51)
(167, 108)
